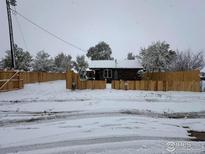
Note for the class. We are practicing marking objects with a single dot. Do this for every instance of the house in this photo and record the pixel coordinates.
(114, 70)
(202, 74)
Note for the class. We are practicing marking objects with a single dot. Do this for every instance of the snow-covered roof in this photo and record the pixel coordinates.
(114, 64)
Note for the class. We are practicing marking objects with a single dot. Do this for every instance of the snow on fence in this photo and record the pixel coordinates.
(73, 81)
(163, 81)
(21, 78)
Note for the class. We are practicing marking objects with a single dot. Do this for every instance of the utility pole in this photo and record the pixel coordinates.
(13, 3)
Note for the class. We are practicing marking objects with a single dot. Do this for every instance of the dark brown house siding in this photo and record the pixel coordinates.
(115, 74)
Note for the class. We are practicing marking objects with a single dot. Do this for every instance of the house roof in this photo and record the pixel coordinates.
(115, 64)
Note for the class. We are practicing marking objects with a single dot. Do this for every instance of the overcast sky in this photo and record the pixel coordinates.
(126, 25)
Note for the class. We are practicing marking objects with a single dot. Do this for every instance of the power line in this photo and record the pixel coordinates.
(1, 19)
(48, 32)
(20, 29)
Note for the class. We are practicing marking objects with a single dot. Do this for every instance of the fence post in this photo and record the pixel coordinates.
(69, 80)
(113, 84)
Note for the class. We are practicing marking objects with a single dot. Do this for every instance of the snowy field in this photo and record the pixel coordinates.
(47, 118)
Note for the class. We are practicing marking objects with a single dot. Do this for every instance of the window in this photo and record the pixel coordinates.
(107, 73)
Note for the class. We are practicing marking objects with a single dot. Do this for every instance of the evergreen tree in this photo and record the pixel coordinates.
(63, 62)
(81, 65)
(43, 62)
(23, 59)
(101, 51)
(157, 57)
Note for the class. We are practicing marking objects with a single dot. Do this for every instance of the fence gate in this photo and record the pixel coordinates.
(73, 79)
(11, 80)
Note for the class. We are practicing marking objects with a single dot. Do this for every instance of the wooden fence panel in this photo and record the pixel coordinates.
(89, 85)
(83, 84)
(79, 83)
(137, 85)
(146, 82)
(32, 77)
(86, 84)
(69, 80)
(122, 84)
(170, 76)
(27, 77)
(7, 83)
(165, 81)
(131, 85)
(187, 85)
(175, 81)
(117, 84)
(196, 86)
(152, 85)
(99, 84)
(192, 75)
(177, 85)
(142, 85)
(160, 86)
(96, 84)
(113, 84)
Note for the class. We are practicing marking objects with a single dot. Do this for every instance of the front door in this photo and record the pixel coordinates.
(107, 74)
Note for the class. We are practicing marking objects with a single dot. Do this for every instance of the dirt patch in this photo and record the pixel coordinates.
(197, 135)
(37, 117)
(185, 115)
(186, 127)
(179, 115)
(10, 102)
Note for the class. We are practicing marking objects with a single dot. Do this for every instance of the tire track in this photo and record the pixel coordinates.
(88, 141)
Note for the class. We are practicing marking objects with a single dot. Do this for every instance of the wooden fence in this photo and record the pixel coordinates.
(22, 78)
(173, 76)
(163, 81)
(11, 80)
(32, 77)
(73, 79)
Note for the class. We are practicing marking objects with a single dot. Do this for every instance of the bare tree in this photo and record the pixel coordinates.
(187, 60)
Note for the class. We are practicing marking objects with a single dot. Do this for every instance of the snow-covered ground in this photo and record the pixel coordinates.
(47, 118)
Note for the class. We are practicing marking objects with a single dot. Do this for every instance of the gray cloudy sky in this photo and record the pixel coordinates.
(126, 25)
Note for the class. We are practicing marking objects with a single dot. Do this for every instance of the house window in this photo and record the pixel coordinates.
(107, 73)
